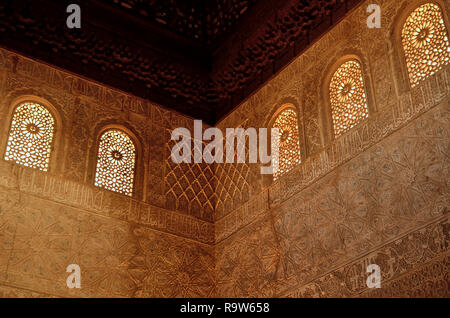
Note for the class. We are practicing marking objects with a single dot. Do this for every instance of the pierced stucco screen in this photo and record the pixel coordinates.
(289, 148)
(348, 97)
(425, 42)
(116, 162)
(30, 136)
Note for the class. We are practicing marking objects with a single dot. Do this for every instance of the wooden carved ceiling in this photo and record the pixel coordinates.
(199, 57)
(202, 20)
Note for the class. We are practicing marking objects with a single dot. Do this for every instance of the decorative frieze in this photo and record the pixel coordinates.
(411, 266)
(103, 202)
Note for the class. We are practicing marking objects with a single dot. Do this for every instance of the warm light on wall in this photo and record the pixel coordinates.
(116, 162)
(289, 147)
(30, 136)
(348, 97)
(425, 42)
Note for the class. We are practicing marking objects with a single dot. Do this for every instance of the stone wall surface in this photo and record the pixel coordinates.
(378, 194)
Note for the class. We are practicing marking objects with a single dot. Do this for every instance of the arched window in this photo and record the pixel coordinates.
(425, 42)
(348, 97)
(115, 162)
(31, 136)
(289, 141)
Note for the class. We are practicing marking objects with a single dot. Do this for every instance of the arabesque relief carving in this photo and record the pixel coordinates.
(378, 193)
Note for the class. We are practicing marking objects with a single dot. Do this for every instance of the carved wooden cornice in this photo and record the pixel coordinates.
(201, 59)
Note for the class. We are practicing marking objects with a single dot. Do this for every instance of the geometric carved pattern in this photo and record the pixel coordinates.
(115, 162)
(425, 42)
(357, 208)
(248, 262)
(189, 186)
(31, 135)
(255, 261)
(289, 148)
(428, 281)
(414, 265)
(232, 186)
(173, 267)
(348, 97)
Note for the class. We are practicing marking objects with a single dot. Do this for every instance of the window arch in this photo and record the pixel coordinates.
(31, 136)
(116, 162)
(347, 97)
(425, 42)
(289, 142)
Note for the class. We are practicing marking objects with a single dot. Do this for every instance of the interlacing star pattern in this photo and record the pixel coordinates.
(425, 42)
(348, 97)
(30, 136)
(115, 163)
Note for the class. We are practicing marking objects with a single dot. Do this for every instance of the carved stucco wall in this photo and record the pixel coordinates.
(388, 206)
(127, 247)
(377, 194)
